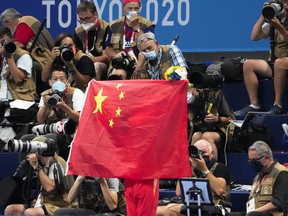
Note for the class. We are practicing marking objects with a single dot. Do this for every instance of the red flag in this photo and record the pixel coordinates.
(132, 129)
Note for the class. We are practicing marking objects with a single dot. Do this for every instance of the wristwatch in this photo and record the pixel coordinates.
(205, 173)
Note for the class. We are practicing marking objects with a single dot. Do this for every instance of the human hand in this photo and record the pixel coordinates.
(199, 163)
(55, 52)
(33, 160)
(210, 118)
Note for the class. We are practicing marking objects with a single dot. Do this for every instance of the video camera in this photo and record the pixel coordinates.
(55, 96)
(194, 152)
(126, 63)
(47, 148)
(66, 52)
(9, 47)
(66, 126)
(273, 9)
(202, 81)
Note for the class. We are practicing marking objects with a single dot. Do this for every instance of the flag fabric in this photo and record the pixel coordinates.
(133, 129)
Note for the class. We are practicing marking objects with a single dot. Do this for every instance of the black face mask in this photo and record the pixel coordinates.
(256, 166)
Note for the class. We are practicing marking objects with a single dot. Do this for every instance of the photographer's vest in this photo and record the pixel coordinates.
(281, 46)
(51, 116)
(26, 90)
(225, 197)
(44, 44)
(262, 188)
(98, 44)
(58, 199)
(117, 32)
(164, 64)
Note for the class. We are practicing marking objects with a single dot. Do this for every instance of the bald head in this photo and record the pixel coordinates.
(204, 146)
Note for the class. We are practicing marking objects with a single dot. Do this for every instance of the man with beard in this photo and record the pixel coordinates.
(203, 167)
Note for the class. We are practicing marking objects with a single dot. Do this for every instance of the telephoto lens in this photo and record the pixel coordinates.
(9, 47)
(194, 152)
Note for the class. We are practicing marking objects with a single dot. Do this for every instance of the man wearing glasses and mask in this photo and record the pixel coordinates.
(269, 189)
(90, 36)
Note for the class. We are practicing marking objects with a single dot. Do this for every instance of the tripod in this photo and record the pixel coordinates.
(198, 193)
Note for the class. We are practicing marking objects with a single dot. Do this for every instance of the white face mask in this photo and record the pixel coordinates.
(130, 13)
(87, 26)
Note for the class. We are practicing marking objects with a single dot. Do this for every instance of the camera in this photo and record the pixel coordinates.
(9, 47)
(55, 96)
(47, 148)
(66, 52)
(273, 9)
(65, 126)
(126, 63)
(194, 152)
(202, 81)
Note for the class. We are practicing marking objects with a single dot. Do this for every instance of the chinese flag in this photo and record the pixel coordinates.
(133, 129)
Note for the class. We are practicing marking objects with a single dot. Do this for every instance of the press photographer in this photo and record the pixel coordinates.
(50, 171)
(274, 8)
(79, 66)
(56, 106)
(210, 111)
(204, 165)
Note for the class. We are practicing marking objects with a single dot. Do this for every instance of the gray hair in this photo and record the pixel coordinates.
(261, 148)
(145, 37)
(9, 14)
(204, 142)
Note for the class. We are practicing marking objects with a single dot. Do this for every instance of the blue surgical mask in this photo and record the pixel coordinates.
(150, 55)
(130, 13)
(59, 86)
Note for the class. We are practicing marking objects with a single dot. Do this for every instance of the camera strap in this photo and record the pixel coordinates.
(58, 178)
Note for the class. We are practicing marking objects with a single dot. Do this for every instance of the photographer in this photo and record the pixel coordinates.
(50, 170)
(275, 28)
(79, 66)
(211, 113)
(97, 196)
(155, 59)
(204, 166)
(58, 103)
(90, 36)
(16, 82)
(123, 33)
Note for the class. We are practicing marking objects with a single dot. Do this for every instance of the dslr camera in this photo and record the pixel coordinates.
(273, 9)
(194, 152)
(9, 46)
(203, 81)
(55, 96)
(47, 148)
(66, 52)
(126, 63)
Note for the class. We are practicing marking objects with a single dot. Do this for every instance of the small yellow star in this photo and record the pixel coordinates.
(118, 86)
(111, 123)
(118, 111)
(99, 100)
(121, 95)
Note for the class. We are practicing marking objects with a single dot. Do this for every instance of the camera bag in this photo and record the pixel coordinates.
(243, 138)
(232, 69)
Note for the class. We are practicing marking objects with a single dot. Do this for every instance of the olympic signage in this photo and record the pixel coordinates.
(202, 25)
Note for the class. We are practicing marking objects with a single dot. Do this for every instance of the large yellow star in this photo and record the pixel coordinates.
(121, 95)
(99, 100)
(118, 111)
(111, 123)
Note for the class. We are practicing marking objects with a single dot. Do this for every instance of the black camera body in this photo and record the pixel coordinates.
(9, 46)
(55, 96)
(66, 52)
(273, 9)
(126, 63)
(203, 81)
(47, 148)
(194, 152)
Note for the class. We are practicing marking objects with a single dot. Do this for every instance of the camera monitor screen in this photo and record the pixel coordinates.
(191, 187)
(251, 118)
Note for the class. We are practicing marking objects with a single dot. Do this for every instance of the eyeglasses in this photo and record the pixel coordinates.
(257, 159)
(84, 19)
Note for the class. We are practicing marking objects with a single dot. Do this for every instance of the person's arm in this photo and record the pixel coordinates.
(74, 115)
(46, 70)
(17, 74)
(111, 197)
(102, 58)
(74, 190)
(43, 109)
(257, 32)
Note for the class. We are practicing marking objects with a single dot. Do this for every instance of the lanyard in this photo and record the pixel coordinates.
(124, 35)
(97, 24)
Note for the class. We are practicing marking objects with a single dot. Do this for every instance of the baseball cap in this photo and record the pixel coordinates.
(129, 1)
